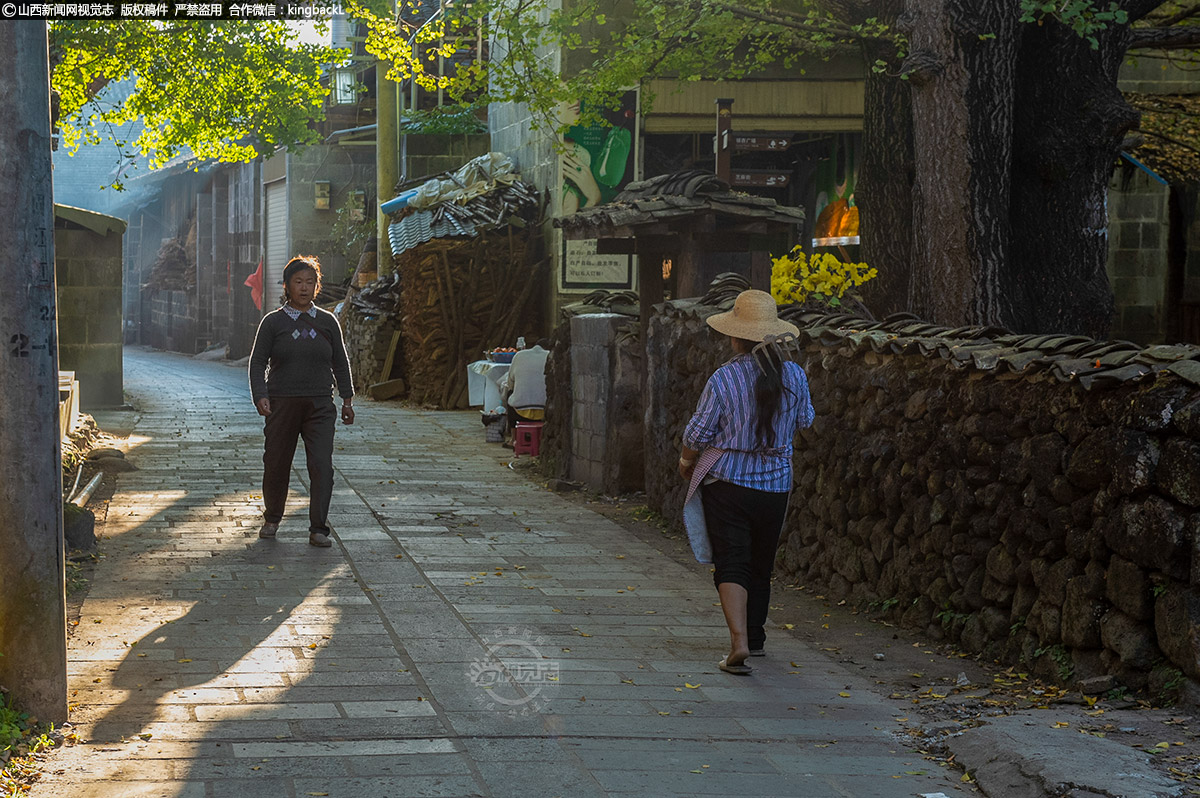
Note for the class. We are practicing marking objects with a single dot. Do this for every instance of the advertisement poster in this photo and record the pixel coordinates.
(597, 162)
(837, 213)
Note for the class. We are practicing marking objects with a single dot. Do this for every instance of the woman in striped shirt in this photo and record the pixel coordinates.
(742, 431)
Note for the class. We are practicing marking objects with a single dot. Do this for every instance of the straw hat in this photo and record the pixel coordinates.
(754, 317)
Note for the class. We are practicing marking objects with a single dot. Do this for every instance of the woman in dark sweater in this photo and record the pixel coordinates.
(297, 358)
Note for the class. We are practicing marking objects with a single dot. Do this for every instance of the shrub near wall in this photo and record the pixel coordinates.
(1033, 499)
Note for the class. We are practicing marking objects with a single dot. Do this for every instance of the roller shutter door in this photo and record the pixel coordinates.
(276, 242)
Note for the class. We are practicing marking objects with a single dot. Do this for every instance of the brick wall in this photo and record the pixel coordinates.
(88, 270)
(1137, 255)
(169, 321)
(605, 432)
(427, 155)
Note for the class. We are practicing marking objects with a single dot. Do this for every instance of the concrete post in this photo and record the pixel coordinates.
(33, 637)
(723, 142)
(387, 151)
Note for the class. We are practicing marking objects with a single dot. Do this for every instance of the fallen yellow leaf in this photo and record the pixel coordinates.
(692, 686)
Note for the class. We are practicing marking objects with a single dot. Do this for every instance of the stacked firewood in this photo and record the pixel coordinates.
(461, 298)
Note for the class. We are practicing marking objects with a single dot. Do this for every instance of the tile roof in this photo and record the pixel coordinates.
(1086, 361)
(676, 197)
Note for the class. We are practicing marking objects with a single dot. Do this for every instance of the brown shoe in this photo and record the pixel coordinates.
(319, 539)
(268, 530)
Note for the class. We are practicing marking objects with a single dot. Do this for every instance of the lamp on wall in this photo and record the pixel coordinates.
(321, 195)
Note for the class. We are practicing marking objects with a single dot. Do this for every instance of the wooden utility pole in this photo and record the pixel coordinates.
(33, 637)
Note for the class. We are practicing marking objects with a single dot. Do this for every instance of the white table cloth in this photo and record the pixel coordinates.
(483, 383)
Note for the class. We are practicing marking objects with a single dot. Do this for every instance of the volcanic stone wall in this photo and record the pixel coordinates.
(368, 338)
(1033, 499)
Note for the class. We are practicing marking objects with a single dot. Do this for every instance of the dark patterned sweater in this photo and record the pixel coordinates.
(302, 357)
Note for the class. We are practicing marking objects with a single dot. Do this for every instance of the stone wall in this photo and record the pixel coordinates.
(88, 270)
(1034, 499)
(554, 454)
(367, 340)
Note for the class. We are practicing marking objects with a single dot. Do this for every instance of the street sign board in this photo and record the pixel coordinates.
(760, 178)
(743, 142)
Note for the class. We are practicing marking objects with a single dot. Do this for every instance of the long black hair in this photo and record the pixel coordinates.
(769, 389)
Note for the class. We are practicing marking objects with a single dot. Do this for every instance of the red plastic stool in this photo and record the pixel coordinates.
(527, 438)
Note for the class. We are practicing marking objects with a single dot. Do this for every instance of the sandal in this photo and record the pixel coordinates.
(740, 669)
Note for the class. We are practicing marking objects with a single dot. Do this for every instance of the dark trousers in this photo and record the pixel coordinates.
(310, 418)
(743, 527)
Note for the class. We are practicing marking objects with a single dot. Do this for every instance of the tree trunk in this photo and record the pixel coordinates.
(1069, 123)
(884, 193)
(962, 67)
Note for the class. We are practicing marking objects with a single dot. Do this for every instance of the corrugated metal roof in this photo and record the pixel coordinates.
(419, 227)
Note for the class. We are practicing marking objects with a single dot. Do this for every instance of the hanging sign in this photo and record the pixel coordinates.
(741, 142)
(760, 178)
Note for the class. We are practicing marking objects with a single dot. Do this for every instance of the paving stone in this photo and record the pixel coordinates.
(306, 665)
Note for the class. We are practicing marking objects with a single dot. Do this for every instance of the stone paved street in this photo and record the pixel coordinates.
(469, 634)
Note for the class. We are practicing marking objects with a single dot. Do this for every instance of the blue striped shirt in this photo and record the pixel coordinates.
(725, 418)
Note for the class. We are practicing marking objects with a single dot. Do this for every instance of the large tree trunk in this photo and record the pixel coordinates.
(962, 67)
(884, 193)
(1069, 124)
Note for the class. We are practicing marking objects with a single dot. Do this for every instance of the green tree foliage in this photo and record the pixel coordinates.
(604, 52)
(1007, 110)
(226, 90)
(587, 51)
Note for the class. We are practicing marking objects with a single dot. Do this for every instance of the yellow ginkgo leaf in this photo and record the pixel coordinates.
(1062, 724)
(844, 694)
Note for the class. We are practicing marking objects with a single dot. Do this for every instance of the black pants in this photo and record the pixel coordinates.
(743, 527)
(313, 419)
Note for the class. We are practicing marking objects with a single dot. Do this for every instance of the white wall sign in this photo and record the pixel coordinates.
(582, 267)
